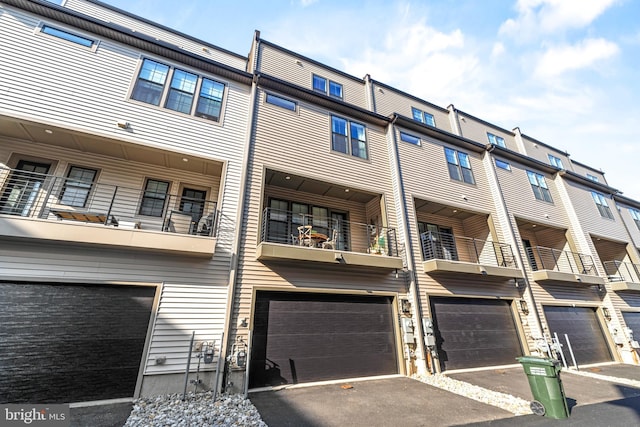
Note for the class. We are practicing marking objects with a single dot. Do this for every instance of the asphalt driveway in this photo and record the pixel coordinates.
(383, 402)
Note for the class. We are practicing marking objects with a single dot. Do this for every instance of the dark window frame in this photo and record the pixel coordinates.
(423, 117)
(496, 140)
(77, 186)
(539, 187)
(411, 139)
(503, 165)
(68, 36)
(153, 196)
(345, 142)
(602, 205)
(281, 102)
(459, 166)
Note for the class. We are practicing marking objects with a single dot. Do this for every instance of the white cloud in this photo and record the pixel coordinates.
(558, 60)
(305, 3)
(498, 49)
(539, 17)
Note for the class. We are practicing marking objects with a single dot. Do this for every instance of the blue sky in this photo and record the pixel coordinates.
(564, 71)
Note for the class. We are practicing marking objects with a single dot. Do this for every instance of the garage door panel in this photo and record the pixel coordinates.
(584, 331)
(300, 337)
(68, 343)
(474, 332)
(632, 319)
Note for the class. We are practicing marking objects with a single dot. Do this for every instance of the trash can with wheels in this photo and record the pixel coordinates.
(546, 386)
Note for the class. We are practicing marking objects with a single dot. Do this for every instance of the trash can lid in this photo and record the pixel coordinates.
(538, 360)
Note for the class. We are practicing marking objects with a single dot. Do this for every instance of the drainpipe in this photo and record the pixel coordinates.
(233, 265)
(502, 205)
(411, 273)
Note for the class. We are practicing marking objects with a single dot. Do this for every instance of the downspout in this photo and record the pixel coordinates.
(233, 267)
(421, 364)
(490, 148)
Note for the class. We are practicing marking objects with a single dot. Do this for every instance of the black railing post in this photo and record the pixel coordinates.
(106, 220)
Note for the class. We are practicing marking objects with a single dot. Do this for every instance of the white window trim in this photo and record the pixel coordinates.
(38, 32)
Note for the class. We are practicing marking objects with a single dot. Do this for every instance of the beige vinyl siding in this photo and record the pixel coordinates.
(44, 84)
(583, 170)
(540, 151)
(388, 101)
(52, 89)
(283, 65)
(300, 144)
(212, 52)
(589, 217)
(630, 224)
(476, 130)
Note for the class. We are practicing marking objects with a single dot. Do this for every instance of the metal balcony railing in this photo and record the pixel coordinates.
(618, 271)
(309, 231)
(35, 195)
(437, 245)
(541, 258)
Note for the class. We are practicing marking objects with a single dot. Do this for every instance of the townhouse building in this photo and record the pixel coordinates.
(121, 152)
(163, 198)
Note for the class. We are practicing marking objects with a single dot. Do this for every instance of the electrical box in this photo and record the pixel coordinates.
(634, 344)
(209, 353)
(429, 333)
(407, 330)
(430, 340)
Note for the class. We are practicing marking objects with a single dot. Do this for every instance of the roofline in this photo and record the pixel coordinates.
(572, 176)
(313, 61)
(587, 166)
(282, 86)
(510, 132)
(130, 37)
(626, 200)
(434, 132)
(537, 141)
(408, 95)
(521, 158)
(165, 28)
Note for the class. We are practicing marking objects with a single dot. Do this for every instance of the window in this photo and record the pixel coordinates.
(65, 35)
(320, 85)
(554, 161)
(503, 165)
(150, 87)
(459, 166)
(496, 140)
(603, 206)
(193, 202)
(77, 186)
(281, 102)
(335, 89)
(409, 138)
(635, 214)
(592, 177)
(343, 131)
(422, 117)
(539, 186)
(154, 198)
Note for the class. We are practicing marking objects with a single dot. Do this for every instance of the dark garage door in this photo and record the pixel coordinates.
(632, 319)
(474, 332)
(302, 337)
(71, 343)
(583, 329)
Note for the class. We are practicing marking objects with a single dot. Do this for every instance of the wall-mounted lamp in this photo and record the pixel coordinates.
(298, 62)
(606, 313)
(244, 323)
(122, 124)
(338, 257)
(524, 307)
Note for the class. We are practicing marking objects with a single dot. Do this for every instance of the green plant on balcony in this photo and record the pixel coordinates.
(378, 246)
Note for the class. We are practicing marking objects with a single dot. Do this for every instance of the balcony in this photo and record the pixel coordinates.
(556, 266)
(445, 254)
(76, 210)
(289, 236)
(623, 276)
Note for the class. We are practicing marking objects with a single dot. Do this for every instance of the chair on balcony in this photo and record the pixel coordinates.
(295, 240)
(331, 243)
(205, 225)
(304, 235)
(179, 222)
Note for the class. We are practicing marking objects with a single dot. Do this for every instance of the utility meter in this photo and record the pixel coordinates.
(209, 352)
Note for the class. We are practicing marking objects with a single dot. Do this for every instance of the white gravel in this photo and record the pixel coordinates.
(515, 405)
(197, 410)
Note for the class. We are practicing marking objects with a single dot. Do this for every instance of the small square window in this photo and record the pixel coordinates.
(496, 140)
(409, 138)
(281, 102)
(554, 161)
(422, 117)
(503, 165)
(592, 177)
(319, 84)
(335, 89)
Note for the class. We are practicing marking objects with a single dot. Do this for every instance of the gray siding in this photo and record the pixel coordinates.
(477, 130)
